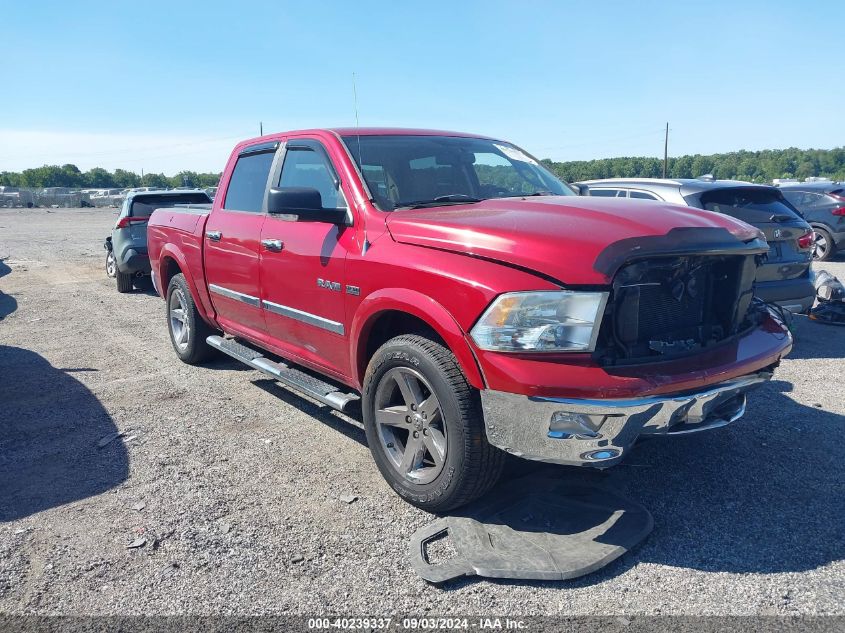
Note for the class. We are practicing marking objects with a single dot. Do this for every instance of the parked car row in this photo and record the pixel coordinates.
(468, 301)
(783, 277)
(11, 197)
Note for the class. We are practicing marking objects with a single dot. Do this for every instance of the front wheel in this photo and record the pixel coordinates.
(425, 427)
(188, 330)
(111, 265)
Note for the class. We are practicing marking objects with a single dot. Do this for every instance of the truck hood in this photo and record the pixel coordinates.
(574, 240)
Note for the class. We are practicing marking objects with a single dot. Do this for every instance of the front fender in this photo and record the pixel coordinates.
(420, 306)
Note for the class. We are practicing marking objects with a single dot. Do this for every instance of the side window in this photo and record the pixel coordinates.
(249, 182)
(607, 193)
(642, 195)
(305, 167)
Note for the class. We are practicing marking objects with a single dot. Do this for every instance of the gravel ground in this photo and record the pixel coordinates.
(231, 486)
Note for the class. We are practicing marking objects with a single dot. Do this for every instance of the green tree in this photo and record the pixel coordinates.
(126, 179)
(98, 178)
(155, 180)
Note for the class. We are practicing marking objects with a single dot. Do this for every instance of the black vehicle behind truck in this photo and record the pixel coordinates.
(783, 275)
(126, 248)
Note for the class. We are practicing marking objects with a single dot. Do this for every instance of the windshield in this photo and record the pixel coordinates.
(143, 206)
(413, 171)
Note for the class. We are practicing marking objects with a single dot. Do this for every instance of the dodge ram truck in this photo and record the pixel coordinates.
(467, 301)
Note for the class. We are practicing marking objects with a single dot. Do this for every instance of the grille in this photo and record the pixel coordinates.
(663, 309)
(678, 304)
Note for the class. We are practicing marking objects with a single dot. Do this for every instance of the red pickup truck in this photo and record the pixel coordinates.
(467, 301)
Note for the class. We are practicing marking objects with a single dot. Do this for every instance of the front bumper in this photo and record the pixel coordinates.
(599, 433)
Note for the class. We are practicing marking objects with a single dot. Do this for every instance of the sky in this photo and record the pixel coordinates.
(167, 86)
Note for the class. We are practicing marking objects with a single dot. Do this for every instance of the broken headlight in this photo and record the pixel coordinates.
(543, 321)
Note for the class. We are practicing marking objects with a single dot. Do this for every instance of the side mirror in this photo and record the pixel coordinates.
(303, 202)
(581, 190)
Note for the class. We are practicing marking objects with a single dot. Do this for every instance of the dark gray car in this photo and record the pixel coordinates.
(784, 277)
(823, 205)
(127, 259)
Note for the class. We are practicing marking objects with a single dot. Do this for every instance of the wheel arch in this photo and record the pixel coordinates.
(170, 263)
(394, 311)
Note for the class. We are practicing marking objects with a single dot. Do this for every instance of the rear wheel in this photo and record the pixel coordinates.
(188, 330)
(124, 281)
(824, 247)
(425, 427)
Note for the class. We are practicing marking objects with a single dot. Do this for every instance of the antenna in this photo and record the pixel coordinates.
(355, 99)
(261, 128)
(366, 245)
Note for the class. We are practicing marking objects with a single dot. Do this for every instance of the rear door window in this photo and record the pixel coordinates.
(643, 195)
(607, 193)
(249, 182)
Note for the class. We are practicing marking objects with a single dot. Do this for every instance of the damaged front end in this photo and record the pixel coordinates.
(664, 306)
(672, 306)
(681, 312)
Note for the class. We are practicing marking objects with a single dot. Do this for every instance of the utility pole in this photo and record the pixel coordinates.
(261, 128)
(666, 150)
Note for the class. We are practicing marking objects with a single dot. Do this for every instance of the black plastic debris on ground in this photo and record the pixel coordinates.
(830, 293)
(533, 529)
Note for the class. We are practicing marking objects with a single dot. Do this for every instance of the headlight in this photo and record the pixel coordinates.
(545, 321)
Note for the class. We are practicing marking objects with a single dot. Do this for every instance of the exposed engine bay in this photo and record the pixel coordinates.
(672, 306)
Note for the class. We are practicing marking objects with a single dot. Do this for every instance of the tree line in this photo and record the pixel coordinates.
(98, 178)
(762, 166)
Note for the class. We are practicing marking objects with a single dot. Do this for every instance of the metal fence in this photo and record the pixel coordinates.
(19, 197)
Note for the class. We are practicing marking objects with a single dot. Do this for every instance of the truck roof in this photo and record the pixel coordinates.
(363, 131)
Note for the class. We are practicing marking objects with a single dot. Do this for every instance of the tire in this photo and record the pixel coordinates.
(124, 281)
(824, 248)
(450, 462)
(187, 328)
(111, 265)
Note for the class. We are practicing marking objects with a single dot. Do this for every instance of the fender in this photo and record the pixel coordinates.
(420, 306)
(200, 295)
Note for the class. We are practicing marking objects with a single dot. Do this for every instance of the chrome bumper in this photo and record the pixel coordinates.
(599, 433)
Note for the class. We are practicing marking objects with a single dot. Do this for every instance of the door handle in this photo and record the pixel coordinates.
(214, 236)
(273, 245)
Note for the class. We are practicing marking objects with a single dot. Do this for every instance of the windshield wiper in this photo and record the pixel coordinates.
(528, 195)
(452, 198)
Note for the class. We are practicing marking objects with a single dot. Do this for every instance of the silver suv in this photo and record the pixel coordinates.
(127, 259)
(784, 277)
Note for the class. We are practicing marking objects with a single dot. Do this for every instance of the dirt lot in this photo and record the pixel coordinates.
(235, 483)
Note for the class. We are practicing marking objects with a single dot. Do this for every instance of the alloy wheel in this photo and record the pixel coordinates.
(820, 245)
(410, 424)
(180, 329)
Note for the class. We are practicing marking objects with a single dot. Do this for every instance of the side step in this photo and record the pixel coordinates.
(288, 376)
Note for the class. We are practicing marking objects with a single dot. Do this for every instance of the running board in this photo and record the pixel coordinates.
(288, 376)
